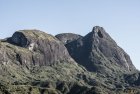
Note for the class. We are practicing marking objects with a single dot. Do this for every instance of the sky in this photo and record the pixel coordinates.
(120, 18)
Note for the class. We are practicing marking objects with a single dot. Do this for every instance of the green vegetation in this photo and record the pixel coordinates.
(49, 69)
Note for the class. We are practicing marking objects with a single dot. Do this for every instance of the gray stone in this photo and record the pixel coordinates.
(68, 37)
(43, 49)
(97, 51)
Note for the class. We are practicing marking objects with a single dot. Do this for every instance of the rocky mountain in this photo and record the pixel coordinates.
(34, 62)
(97, 51)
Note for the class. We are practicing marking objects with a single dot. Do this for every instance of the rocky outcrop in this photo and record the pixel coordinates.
(34, 62)
(68, 37)
(97, 51)
(33, 47)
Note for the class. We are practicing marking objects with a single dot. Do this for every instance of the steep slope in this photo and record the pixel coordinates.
(97, 51)
(34, 62)
(42, 48)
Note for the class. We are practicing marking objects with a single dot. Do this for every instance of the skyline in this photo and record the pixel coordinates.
(119, 18)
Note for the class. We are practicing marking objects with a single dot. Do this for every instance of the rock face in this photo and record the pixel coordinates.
(67, 37)
(97, 51)
(34, 62)
(37, 48)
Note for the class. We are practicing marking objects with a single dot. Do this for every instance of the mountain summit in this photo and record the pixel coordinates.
(40, 48)
(97, 51)
(34, 62)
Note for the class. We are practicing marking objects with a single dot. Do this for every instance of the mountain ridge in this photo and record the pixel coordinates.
(34, 62)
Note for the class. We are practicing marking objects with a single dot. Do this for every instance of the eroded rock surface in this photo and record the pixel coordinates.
(68, 37)
(37, 48)
(34, 62)
(98, 49)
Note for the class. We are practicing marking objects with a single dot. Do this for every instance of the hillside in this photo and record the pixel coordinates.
(34, 62)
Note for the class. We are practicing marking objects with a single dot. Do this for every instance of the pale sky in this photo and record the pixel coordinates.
(120, 18)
